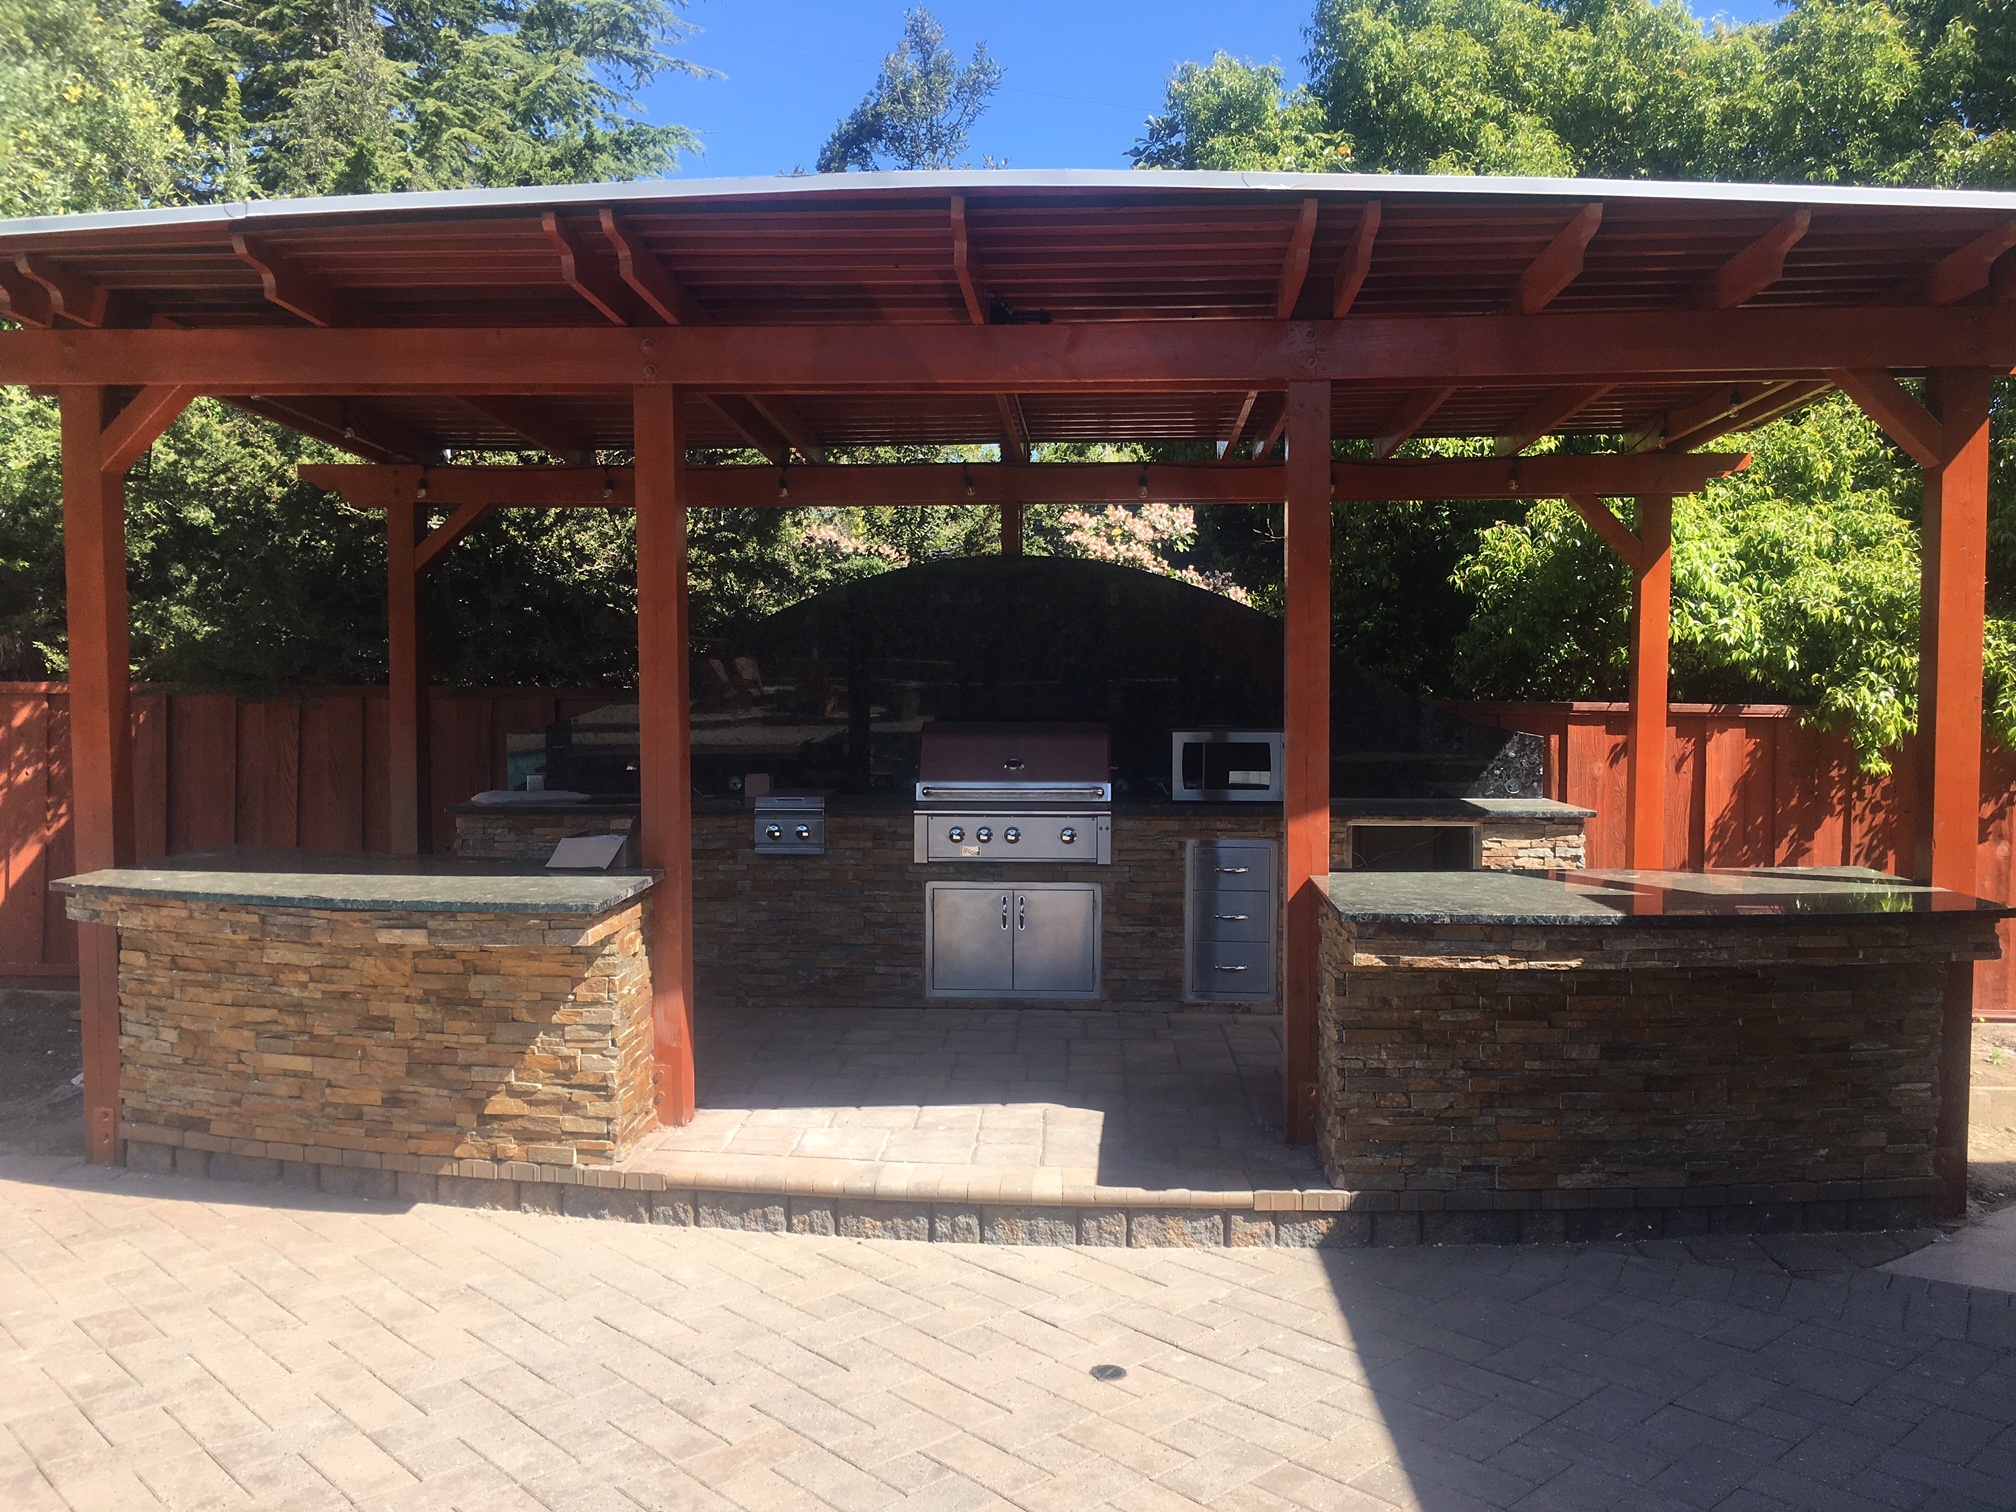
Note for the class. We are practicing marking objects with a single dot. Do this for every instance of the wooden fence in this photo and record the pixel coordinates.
(1751, 786)
(210, 769)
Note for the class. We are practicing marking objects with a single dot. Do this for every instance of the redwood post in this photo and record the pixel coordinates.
(408, 744)
(101, 735)
(1011, 530)
(1306, 686)
(664, 740)
(1651, 631)
(1952, 603)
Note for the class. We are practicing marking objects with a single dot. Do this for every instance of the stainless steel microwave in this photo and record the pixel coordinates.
(1225, 766)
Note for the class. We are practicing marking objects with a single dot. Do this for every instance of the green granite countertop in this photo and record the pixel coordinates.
(1640, 897)
(1144, 806)
(270, 878)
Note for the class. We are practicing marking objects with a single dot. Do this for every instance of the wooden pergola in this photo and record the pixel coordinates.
(1272, 315)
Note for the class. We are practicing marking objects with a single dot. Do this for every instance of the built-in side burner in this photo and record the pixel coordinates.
(1014, 793)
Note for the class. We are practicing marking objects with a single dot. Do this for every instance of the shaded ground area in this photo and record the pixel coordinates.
(1991, 1143)
(41, 1111)
(175, 1343)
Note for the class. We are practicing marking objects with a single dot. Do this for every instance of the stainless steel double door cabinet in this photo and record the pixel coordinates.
(1231, 920)
(1038, 940)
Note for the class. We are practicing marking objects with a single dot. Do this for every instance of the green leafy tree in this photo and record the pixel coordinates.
(920, 113)
(1234, 117)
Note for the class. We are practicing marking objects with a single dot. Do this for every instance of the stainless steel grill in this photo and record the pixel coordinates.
(1014, 793)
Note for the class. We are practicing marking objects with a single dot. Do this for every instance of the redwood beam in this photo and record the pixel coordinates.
(407, 742)
(1149, 356)
(1560, 265)
(753, 425)
(22, 299)
(1611, 474)
(1555, 407)
(1415, 411)
(1775, 402)
(970, 290)
(1722, 402)
(790, 424)
(1886, 401)
(1272, 438)
(649, 278)
(589, 275)
(101, 734)
(1295, 266)
(318, 418)
(1958, 274)
(1357, 262)
(1952, 605)
(664, 744)
(531, 421)
(288, 284)
(1011, 530)
(1651, 629)
(1758, 266)
(1612, 531)
(71, 297)
(1306, 751)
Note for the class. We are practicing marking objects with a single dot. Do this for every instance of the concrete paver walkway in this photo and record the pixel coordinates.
(165, 1342)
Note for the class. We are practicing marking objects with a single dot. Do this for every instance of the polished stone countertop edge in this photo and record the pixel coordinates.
(1453, 810)
(478, 895)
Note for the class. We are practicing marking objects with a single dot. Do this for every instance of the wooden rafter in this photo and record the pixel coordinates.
(71, 298)
(1357, 262)
(1886, 401)
(1958, 274)
(962, 265)
(288, 284)
(1146, 356)
(24, 299)
(529, 419)
(791, 425)
(1721, 402)
(1610, 474)
(340, 422)
(753, 426)
(1415, 411)
(588, 275)
(1272, 439)
(1775, 405)
(1555, 407)
(1295, 266)
(649, 278)
(1560, 265)
(1758, 266)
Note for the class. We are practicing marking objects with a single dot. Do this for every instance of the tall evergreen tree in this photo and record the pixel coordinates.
(920, 113)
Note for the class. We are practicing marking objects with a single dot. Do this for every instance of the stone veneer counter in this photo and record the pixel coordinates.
(1630, 1054)
(369, 1012)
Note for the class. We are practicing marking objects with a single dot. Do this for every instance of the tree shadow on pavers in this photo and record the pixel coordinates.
(74, 1173)
(1635, 1375)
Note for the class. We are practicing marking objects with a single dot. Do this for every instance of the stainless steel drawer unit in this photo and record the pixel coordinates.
(994, 940)
(1231, 920)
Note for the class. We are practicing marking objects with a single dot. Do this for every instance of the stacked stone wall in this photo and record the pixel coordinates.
(499, 1037)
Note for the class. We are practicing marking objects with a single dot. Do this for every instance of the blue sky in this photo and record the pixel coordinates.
(1080, 76)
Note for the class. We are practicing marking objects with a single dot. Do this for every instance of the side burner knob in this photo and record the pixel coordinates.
(1069, 835)
(773, 832)
(983, 834)
(803, 832)
(955, 834)
(1011, 834)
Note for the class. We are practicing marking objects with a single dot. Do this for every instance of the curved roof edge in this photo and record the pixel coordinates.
(1021, 180)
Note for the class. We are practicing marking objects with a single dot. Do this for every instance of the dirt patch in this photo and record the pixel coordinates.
(41, 1106)
(1991, 1130)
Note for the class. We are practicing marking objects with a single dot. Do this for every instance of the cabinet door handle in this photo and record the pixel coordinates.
(1021, 912)
(1004, 910)
(1232, 918)
(1233, 871)
(1231, 968)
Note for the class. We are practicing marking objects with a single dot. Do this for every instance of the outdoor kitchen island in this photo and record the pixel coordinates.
(1631, 1054)
(344, 1021)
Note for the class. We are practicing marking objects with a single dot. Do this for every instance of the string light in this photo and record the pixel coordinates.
(966, 473)
(1141, 488)
(784, 481)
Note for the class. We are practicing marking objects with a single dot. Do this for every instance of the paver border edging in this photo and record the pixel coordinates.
(1345, 1220)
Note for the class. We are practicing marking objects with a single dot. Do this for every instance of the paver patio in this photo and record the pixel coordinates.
(165, 1342)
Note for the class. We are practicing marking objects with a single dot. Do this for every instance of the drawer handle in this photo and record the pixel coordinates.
(1232, 918)
(1233, 871)
(1231, 968)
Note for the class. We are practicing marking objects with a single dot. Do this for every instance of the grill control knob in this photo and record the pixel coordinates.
(773, 832)
(1069, 835)
(1011, 834)
(955, 834)
(803, 832)
(983, 834)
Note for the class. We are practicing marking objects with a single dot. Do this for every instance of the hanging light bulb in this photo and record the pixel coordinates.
(784, 481)
(966, 473)
(1141, 487)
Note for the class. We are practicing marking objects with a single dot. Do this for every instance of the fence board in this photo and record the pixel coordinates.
(24, 827)
(269, 773)
(202, 771)
(150, 776)
(59, 935)
(331, 802)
